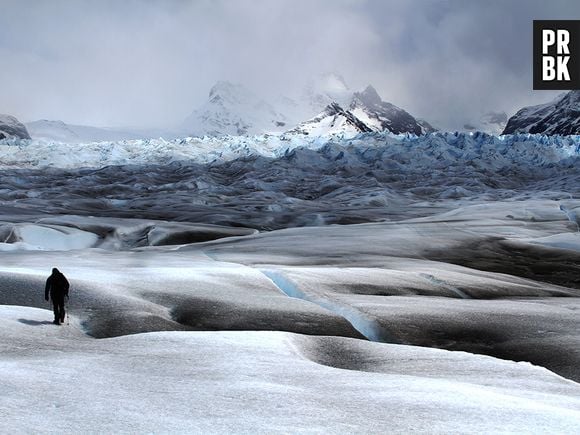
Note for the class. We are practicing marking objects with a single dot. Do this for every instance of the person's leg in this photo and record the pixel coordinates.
(61, 307)
(56, 312)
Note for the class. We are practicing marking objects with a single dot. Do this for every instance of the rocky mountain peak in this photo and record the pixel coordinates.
(559, 116)
(369, 96)
(327, 105)
(11, 127)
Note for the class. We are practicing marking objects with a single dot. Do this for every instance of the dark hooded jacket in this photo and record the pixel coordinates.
(57, 285)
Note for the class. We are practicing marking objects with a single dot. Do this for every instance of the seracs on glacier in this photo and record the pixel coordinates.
(436, 149)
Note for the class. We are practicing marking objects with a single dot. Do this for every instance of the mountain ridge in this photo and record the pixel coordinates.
(232, 109)
(11, 127)
(561, 116)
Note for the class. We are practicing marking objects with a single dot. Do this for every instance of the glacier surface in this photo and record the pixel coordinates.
(374, 283)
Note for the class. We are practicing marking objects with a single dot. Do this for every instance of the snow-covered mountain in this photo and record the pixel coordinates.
(10, 127)
(490, 122)
(559, 116)
(326, 106)
(69, 133)
(333, 120)
(380, 115)
(232, 109)
(366, 112)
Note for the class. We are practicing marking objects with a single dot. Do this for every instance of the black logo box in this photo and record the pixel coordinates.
(573, 27)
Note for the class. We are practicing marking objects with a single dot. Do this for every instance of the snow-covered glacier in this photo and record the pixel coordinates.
(364, 283)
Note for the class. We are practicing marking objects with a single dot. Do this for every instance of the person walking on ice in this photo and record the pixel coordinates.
(57, 286)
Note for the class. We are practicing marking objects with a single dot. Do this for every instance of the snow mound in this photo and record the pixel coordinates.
(44, 237)
(74, 232)
(570, 241)
(284, 383)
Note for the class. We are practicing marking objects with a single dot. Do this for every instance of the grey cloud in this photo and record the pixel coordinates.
(149, 63)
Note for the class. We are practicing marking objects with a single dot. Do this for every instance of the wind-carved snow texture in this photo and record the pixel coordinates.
(224, 270)
(439, 282)
(572, 216)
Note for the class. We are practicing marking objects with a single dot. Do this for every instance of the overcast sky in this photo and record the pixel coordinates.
(150, 63)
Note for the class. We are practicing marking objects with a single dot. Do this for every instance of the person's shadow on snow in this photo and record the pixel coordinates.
(34, 322)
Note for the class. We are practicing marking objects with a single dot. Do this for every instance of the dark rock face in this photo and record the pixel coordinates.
(561, 116)
(369, 97)
(425, 126)
(384, 115)
(334, 109)
(11, 127)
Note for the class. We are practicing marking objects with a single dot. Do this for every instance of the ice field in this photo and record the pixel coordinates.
(374, 284)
